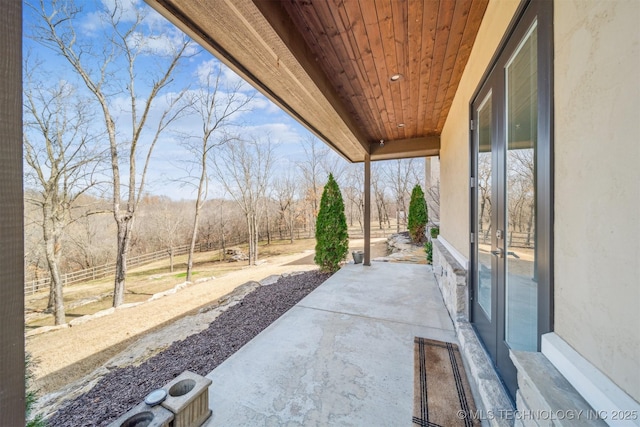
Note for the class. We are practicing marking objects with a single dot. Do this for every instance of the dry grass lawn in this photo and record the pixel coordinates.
(66, 355)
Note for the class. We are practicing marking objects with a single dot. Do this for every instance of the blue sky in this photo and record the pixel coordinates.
(158, 35)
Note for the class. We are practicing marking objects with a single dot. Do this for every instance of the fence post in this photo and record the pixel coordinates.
(103, 271)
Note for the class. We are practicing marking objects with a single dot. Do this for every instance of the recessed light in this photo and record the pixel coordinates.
(400, 125)
(395, 77)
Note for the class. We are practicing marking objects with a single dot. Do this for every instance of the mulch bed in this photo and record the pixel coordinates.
(123, 388)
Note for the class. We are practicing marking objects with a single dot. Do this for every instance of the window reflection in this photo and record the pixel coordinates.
(484, 279)
(520, 238)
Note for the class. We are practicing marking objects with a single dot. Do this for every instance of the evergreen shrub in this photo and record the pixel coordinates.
(418, 217)
(332, 239)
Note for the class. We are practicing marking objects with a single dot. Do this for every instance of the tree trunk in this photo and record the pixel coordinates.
(192, 245)
(125, 225)
(268, 229)
(291, 228)
(250, 232)
(52, 297)
(224, 249)
(256, 239)
(196, 217)
(532, 214)
(194, 236)
(171, 259)
(51, 233)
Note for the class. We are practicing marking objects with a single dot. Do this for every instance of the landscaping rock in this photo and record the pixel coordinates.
(248, 311)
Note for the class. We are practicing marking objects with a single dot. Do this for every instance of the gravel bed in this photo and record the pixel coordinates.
(123, 388)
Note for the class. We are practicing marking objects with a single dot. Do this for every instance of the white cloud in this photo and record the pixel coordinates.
(127, 11)
(278, 132)
(229, 78)
(205, 69)
(234, 79)
(153, 35)
(164, 44)
(91, 23)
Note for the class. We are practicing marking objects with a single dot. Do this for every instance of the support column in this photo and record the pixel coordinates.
(12, 405)
(367, 209)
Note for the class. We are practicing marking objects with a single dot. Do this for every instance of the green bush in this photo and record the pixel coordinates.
(428, 248)
(332, 239)
(418, 216)
(31, 396)
(434, 232)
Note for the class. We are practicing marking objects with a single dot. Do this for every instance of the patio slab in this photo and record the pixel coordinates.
(342, 356)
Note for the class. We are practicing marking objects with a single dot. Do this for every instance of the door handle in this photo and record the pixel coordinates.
(513, 254)
(499, 253)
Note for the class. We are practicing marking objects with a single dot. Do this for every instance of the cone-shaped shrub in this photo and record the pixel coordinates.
(417, 223)
(332, 240)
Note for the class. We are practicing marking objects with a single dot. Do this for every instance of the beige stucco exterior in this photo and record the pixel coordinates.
(454, 149)
(597, 184)
(596, 172)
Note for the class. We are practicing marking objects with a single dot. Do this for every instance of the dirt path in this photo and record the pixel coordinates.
(65, 355)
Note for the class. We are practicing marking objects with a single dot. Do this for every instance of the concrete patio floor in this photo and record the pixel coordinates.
(342, 356)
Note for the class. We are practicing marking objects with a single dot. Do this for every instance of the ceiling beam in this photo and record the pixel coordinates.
(406, 148)
(263, 47)
(281, 22)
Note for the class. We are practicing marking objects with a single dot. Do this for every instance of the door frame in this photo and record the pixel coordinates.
(527, 12)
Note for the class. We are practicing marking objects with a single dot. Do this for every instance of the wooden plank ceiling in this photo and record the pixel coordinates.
(330, 63)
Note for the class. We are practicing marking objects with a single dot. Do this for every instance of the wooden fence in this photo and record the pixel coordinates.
(514, 239)
(99, 272)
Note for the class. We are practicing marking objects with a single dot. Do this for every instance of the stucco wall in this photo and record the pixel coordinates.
(454, 147)
(597, 184)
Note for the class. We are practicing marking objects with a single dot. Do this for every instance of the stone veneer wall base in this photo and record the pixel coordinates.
(545, 397)
(494, 405)
(452, 281)
(543, 391)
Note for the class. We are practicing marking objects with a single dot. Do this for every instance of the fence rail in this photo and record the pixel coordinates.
(514, 238)
(102, 271)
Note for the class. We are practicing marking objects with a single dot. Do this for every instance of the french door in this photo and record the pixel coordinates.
(511, 197)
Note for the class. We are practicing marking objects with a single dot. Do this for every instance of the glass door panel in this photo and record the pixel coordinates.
(512, 198)
(484, 192)
(521, 319)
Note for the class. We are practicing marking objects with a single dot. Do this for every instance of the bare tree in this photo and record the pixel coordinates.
(353, 189)
(89, 239)
(244, 168)
(379, 194)
(221, 223)
(402, 175)
(166, 224)
(314, 176)
(285, 188)
(484, 195)
(433, 201)
(333, 164)
(216, 103)
(112, 69)
(61, 160)
(521, 192)
(34, 256)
